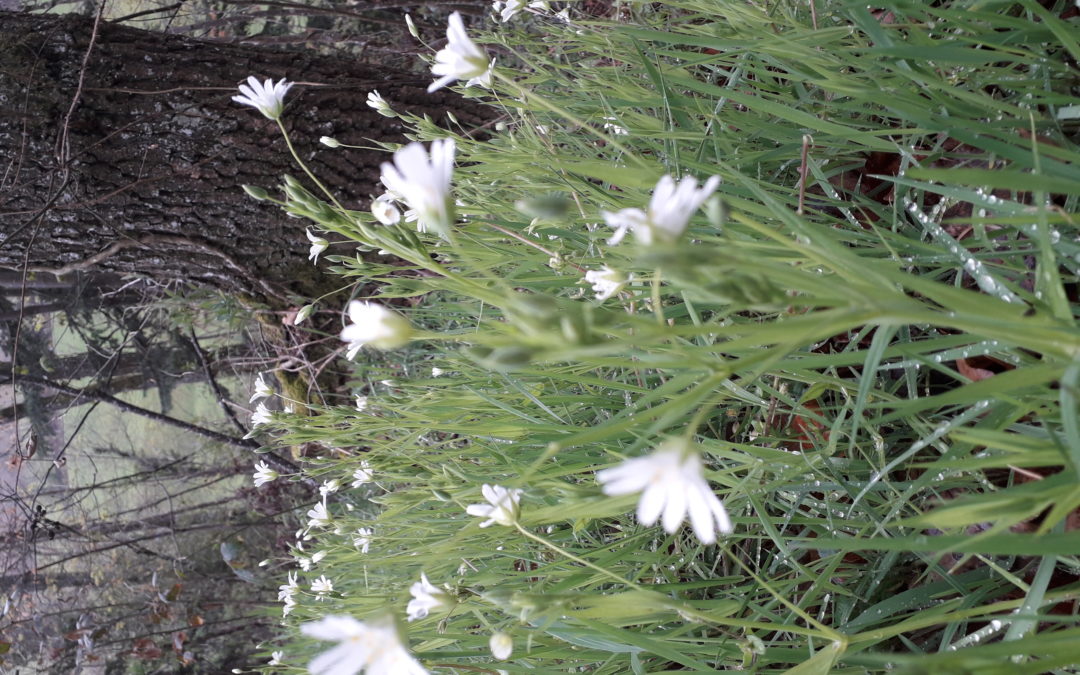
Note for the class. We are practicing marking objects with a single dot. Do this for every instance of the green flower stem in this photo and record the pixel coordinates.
(571, 556)
(307, 171)
(657, 300)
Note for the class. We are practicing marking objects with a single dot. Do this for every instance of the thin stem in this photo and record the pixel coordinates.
(307, 171)
(571, 556)
(544, 103)
(657, 302)
(538, 247)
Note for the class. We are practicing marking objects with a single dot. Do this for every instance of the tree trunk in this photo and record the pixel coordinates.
(124, 152)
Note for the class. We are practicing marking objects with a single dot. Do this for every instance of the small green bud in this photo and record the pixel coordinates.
(304, 313)
(256, 192)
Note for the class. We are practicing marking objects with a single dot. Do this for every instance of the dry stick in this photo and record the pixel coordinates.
(804, 169)
(62, 149)
(155, 239)
(218, 393)
(813, 13)
(277, 462)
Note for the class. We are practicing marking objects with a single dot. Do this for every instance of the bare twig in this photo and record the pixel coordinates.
(804, 170)
(218, 393)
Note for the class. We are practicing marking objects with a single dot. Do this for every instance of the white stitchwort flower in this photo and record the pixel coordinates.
(374, 325)
(672, 484)
(330, 142)
(264, 474)
(372, 647)
(262, 390)
(268, 97)
(322, 586)
(318, 245)
(508, 9)
(423, 183)
(361, 403)
(362, 476)
(384, 210)
(377, 103)
(426, 596)
(275, 658)
(329, 486)
(502, 508)
(437, 371)
(261, 415)
(502, 645)
(362, 539)
(286, 591)
(669, 211)
(460, 59)
(318, 516)
(606, 282)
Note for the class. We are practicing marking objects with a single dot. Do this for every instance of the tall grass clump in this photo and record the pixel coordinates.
(860, 336)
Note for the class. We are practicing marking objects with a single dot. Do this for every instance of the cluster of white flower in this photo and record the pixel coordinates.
(286, 593)
(670, 480)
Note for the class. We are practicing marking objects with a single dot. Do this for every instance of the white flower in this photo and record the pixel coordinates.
(502, 645)
(460, 59)
(330, 142)
(362, 476)
(671, 483)
(612, 126)
(540, 5)
(423, 183)
(329, 486)
(508, 9)
(374, 325)
(322, 586)
(317, 556)
(371, 647)
(288, 590)
(361, 403)
(318, 516)
(289, 605)
(275, 658)
(377, 103)
(382, 207)
(426, 597)
(606, 282)
(304, 562)
(268, 97)
(437, 371)
(362, 539)
(669, 211)
(261, 415)
(264, 474)
(318, 245)
(503, 506)
(262, 390)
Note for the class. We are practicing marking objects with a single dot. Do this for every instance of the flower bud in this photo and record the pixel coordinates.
(256, 192)
(304, 313)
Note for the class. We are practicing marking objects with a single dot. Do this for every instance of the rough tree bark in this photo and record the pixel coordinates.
(128, 154)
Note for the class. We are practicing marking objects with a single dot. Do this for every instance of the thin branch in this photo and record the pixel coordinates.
(218, 393)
